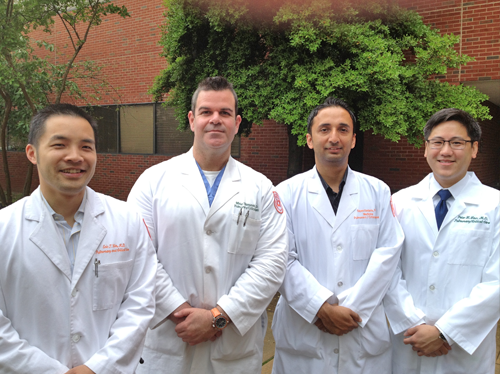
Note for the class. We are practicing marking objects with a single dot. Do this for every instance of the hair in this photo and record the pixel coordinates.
(38, 121)
(331, 102)
(453, 114)
(214, 84)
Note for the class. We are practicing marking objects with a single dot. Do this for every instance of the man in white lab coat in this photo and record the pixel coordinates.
(444, 303)
(344, 247)
(220, 233)
(78, 269)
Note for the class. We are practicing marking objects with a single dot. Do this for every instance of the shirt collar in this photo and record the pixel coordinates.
(78, 215)
(454, 190)
(326, 186)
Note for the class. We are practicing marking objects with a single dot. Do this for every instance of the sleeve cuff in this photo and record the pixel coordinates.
(448, 339)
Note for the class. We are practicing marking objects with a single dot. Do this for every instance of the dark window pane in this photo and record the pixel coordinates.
(169, 140)
(107, 128)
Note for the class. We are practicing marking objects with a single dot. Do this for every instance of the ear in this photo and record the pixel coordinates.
(353, 141)
(31, 153)
(191, 120)
(475, 149)
(238, 122)
(309, 140)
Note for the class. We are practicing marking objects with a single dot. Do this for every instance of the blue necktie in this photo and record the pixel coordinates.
(441, 208)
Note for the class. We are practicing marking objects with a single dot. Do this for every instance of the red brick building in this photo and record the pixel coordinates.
(129, 51)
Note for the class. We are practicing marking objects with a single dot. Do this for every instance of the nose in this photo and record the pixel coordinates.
(215, 119)
(446, 150)
(334, 136)
(74, 154)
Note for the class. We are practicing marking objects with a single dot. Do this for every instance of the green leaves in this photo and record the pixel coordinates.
(285, 57)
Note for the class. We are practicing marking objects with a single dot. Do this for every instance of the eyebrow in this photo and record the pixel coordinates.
(61, 137)
(221, 109)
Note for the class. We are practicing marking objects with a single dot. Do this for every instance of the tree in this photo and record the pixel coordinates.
(29, 82)
(286, 57)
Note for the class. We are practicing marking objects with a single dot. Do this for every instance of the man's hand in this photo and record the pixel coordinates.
(445, 348)
(196, 326)
(425, 341)
(179, 308)
(319, 325)
(337, 319)
(82, 369)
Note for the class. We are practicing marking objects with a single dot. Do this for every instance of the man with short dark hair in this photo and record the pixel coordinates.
(446, 294)
(344, 247)
(78, 269)
(220, 233)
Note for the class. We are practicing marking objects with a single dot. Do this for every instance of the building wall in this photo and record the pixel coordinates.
(401, 164)
(129, 51)
(478, 22)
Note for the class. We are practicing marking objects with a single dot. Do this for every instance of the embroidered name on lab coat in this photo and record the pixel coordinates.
(472, 219)
(366, 214)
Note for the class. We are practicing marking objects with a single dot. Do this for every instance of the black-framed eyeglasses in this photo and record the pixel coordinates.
(455, 143)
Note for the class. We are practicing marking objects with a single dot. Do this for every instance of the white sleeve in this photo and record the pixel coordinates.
(122, 350)
(17, 356)
(168, 298)
(254, 289)
(471, 319)
(300, 288)
(372, 286)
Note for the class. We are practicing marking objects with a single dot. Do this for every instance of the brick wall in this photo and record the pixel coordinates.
(478, 22)
(129, 51)
(401, 164)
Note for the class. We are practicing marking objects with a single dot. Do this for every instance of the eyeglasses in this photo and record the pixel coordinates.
(455, 143)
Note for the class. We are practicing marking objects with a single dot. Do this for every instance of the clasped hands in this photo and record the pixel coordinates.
(336, 319)
(194, 325)
(425, 341)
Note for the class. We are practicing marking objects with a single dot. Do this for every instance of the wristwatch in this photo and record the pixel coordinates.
(219, 322)
(441, 336)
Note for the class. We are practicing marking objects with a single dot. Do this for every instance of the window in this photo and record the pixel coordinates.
(143, 129)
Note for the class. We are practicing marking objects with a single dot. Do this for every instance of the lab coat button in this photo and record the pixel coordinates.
(339, 248)
(208, 270)
(336, 350)
(435, 254)
(209, 232)
(432, 288)
(340, 284)
(75, 338)
(73, 293)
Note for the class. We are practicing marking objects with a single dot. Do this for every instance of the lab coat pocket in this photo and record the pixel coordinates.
(375, 338)
(363, 238)
(232, 346)
(469, 247)
(244, 235)
(110, 284)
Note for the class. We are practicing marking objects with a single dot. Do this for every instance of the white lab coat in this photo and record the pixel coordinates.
(450, 277)
(211, 256)
(51, 321)
(349, 259)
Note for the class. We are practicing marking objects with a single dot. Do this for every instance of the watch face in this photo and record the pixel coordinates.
(220, 322)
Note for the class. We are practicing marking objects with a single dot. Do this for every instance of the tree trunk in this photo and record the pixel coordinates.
(295, 154)
(7, 196)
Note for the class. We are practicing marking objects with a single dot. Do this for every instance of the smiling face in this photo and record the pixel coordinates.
(450, 165)
(332, 137)
(214, 121)
(65, 156)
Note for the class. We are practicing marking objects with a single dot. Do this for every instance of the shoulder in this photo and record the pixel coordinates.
(249, 175)
(10, 213)
(296, 182)
(369, 183)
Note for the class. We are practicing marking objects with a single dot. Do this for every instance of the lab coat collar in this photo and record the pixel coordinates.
(467, 195)
(228, 187)
(91, 235)
(193, 181)
(320, 202)
(45, 234)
